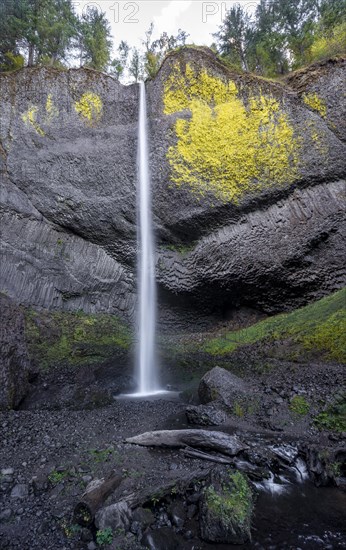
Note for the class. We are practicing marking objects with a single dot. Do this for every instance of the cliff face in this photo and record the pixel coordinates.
(247, 188)
(68, 190)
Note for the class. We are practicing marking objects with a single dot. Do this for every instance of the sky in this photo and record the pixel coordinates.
(129, 20)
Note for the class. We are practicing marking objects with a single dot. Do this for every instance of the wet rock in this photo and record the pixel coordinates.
(226, 508)
(177, 514)
(14, 359)
(144, 516)
(162, 539)
(205, 415)
(86, 535)
(115, 516)
(191, 511)
(220, 385)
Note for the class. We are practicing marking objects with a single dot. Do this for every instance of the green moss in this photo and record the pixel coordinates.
(181, 248)
(56, 477)
(320, 326)
(233, 503)
(316, 103)
(299, 406)
(228, 147)
(334, 417)
(51, 110)
(74, 338)
(30, 119)
(89, 107)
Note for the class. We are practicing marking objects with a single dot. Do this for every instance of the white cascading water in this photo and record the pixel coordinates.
(147, 365)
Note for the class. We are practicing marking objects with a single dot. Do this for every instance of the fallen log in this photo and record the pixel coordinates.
(156, 493)
(193, 453)
(224, 443)
(94, 496)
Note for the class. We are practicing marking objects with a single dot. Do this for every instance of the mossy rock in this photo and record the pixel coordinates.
(316, 330)
(226, 508)
(65, 338)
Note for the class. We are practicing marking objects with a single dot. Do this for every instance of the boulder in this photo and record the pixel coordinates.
(162, 539)
(220, 385)
(226, 508)
(116, 516)
(14, 359)
(205, 415)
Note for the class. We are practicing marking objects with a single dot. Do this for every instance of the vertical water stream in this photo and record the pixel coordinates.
(146, 360)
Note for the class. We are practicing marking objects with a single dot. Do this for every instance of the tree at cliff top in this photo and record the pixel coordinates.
(156, 50)
(136, 65)
(235, 37)
(119, 64)
(330, 33)
(281, 35)
(95, 43)
(42, 29)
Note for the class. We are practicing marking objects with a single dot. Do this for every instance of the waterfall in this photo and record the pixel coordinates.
(146, 360)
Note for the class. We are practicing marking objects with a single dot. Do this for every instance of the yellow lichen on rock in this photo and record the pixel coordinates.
(316, 103)
(29, 118)
(89, 107)
(51, 110)
(227, 148)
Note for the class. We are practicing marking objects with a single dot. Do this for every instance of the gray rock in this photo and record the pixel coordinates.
(225, 508)
(115, 516)
(144, 516)
(220, 385)
(7, 472)
(205, 415)
(20, 491)
(14, 360)
(86, 535)
(5, 515)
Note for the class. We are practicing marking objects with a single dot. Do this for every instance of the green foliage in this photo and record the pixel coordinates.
(55, 338)
(234, 502)
(56, 477)
(181, 248)
(282, 34)
(299, 406)
(331, 44)
(119, 64)
(104, 536)
(156, 50)
(238, 409)
(334, 417)
(44, 29)
(12, 62)
(317, 327)
(136, 65)
(101, 455)
(95, 39)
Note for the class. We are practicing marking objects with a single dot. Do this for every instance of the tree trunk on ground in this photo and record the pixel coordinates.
(94, 497)
(202, 439)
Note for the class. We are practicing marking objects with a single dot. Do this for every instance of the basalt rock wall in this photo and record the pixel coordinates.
(248, 183)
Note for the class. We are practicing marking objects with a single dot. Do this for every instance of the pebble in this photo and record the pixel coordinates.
(20, 491)
(7, 471)
(5, 514)
(91, 546)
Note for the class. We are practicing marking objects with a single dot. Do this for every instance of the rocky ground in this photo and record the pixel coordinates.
(50, 454)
